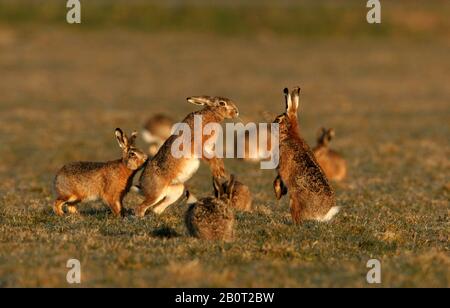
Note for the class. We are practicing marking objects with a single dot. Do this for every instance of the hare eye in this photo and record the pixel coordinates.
(132, 155)
(222, 103)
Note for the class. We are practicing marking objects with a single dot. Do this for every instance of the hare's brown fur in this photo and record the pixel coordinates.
(311, 196)
(212, 218)
(241, 199)
(107, 181)
(332, 163)
(162, 181)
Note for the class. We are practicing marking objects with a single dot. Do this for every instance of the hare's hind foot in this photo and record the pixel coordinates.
(58, 207)
(148, 203)
(173, 193)
(116, 208)
(72, 209)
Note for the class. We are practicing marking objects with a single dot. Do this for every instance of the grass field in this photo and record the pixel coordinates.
(64, 91)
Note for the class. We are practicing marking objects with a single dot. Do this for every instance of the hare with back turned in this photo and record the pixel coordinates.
(311, 196)
(163, 178)
(108, 181)
(332, 163)
(212, 218)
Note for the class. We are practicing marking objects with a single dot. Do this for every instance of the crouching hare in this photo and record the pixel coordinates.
(212, 218)
(332, 163)
(108, 181)
(311, 196)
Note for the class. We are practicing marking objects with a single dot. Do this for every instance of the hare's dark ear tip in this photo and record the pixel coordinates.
(286, 91)
(118, 130)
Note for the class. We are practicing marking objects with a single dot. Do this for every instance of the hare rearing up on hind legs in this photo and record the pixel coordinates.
(311, 196)
(109, 181)
(163, 178)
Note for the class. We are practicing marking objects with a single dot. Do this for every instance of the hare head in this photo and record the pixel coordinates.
(288, 120)
(132, 157)
(224, 106)
(224, 191)
(324, 136)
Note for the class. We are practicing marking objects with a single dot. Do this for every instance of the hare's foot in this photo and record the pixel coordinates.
(149, 202)
(116, 208)
(72, 209)
(173, 193)
(58, 207)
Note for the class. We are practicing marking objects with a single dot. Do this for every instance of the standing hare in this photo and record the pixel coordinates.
(332, 163)
(163, 178)
(156, 130)
(108, 181)
(311, 196)
(212, 218)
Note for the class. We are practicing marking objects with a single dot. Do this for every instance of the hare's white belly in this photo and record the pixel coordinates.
(187, 171)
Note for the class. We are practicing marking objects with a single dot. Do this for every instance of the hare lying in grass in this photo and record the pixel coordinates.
(108, 181)
(311, 196)
(163, 178)
(332, 163)
(212, 218)
(156, 130)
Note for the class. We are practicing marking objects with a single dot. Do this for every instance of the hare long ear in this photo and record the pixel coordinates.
(230, 186)
(287, 98)
(121, 139)
(295, 100)
(321, 132)
(200, 100)
(132, 139)
(218, 190)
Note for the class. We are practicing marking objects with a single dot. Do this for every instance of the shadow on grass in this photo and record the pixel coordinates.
(165, 232)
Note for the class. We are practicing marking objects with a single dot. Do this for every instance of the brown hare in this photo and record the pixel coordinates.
(212, 218)
(163, 178)
(108, 181)
(241, 199)
(311, 196)
(332, 163)
(156, 130)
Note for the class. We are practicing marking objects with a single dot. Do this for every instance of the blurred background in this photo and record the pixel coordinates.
(385, 88)
(130, 59)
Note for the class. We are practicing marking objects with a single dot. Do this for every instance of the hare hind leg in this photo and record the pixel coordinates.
(173, 193)
(116, 207)
(58, 207)
(148, 203)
